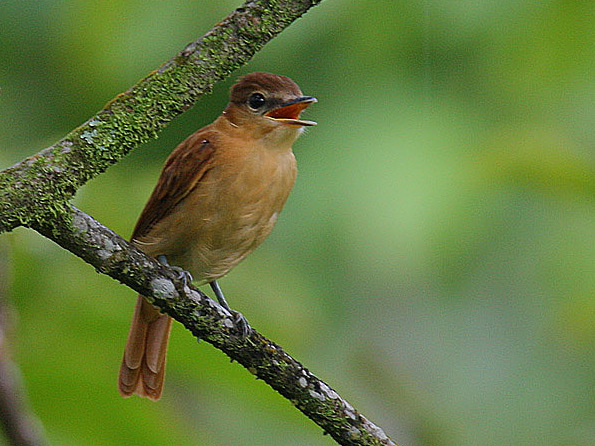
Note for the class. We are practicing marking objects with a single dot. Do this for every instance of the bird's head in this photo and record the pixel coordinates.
(265, 103)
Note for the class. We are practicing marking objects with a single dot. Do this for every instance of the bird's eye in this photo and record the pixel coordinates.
(256, 100)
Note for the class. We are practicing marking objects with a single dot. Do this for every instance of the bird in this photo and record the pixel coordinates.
(218, 197)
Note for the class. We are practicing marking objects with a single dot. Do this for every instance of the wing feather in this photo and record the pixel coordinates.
(184, 168)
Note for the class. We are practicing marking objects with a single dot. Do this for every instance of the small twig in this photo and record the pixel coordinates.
(18, 422)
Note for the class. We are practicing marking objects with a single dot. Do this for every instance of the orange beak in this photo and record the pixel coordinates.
(289, 112)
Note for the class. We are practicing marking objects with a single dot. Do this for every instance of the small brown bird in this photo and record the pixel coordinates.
(218, 197)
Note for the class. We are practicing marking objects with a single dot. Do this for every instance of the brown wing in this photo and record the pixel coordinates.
(182, 171)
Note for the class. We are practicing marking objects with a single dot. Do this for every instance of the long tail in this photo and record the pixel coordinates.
(143, 365)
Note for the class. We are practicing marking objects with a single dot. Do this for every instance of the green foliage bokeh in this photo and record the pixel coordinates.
(435, 262)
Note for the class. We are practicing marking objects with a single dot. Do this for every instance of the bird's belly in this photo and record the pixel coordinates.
(224, 225)
(220, 245)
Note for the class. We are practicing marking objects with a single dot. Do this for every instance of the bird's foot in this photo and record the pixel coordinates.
(181, 273)
(241, 322)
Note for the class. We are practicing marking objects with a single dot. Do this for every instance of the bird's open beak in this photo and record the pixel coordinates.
(289, 112)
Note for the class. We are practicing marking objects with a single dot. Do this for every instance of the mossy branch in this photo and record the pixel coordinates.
(207, 320)
(39, 187)
(35, 193)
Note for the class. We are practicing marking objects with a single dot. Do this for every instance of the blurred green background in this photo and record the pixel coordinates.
(435, 263)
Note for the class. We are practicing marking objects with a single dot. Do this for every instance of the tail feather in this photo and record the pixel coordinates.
(143, 365)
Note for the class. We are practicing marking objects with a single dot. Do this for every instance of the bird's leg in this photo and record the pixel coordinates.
(184, 275)
(181, 273)
(240, 320)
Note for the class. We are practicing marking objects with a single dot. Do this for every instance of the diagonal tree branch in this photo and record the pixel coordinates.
(207, 320)
(38, 187)
(36, 192)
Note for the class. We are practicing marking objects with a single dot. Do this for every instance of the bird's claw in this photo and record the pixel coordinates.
(242, 323)
(183, 275)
